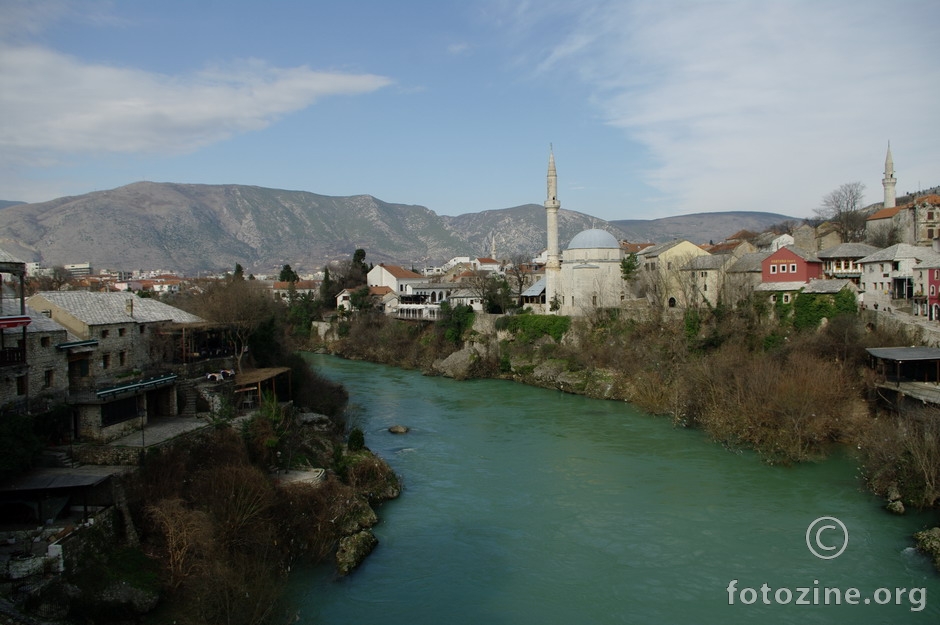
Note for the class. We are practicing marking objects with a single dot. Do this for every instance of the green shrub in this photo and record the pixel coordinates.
(528, 328)
(357, 440)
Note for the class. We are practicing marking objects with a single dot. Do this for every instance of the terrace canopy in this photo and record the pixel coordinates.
(250, 385)
(921, 364)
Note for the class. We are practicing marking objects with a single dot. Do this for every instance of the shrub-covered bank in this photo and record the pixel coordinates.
(792, 392)
(222, 516)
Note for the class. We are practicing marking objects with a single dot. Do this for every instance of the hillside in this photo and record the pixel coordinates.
(699, 227)
(191, 228)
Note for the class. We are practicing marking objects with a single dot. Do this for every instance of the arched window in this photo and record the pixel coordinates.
(672, 302)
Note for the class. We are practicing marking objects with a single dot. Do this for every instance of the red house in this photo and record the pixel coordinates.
(791, 264)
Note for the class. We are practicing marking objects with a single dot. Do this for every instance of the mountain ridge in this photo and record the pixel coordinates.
(192, 228)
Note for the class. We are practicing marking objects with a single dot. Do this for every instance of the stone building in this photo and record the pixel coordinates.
(117, 353)
(590, 274)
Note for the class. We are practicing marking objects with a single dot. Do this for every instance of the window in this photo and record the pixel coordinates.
(933, 290)
(792, 267)
(105, 361)
(773, 269)
(142, 329)
(45, 341)
(122, 358)
(705, 287)
(21, 385)
(929, 233)
(773, 298)
(929, 215)
(122, 331)
(105, 333)
(48, 378)
(594, 300)
(786, 298)
(936, 274)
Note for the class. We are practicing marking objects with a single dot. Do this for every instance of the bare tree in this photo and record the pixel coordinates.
(52, 280)
(843, 208)
(242, 306)
(518, 275)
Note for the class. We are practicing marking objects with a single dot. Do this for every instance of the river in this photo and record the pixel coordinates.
(530, 506)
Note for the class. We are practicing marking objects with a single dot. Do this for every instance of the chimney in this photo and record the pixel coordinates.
(129, 306)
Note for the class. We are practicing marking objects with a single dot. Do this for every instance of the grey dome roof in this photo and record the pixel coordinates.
(593, 239)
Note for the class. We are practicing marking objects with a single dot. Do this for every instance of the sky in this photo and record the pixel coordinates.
(652, 108)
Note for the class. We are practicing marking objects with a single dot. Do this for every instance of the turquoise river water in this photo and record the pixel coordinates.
(529, 506)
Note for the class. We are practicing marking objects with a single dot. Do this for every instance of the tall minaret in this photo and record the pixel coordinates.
(553, 266)
(889, 180)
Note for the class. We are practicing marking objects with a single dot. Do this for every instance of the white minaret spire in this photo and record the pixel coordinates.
(889, 182)
(552, 205)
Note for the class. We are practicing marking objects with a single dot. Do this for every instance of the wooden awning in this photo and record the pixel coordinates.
(257, 380)
(255, 376)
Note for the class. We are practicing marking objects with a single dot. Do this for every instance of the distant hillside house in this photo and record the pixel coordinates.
(841, 261)
(661, 269)
(813, 239)
(381, 297)
(394, 277)
(791, 264)
(787, 271)
(282, 290)
(743, 276)
(706, 277)
(914, 223)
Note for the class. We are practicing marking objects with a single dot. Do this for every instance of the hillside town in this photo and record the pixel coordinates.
(132, 370)
(86, 332)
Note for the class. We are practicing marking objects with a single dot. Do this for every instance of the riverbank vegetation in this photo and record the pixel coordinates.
(794, 385)
(225, 519)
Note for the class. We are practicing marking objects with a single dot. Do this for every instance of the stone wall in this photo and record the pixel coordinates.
(108, 455)
(921, 330)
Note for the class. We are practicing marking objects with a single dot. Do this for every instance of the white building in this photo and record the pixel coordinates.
(887, 278)
(590, 274)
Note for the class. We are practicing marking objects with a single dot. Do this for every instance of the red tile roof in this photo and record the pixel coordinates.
(885, 213)
(634, 248)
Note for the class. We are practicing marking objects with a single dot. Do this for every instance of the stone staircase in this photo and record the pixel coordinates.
(187, 390)
(58, 457)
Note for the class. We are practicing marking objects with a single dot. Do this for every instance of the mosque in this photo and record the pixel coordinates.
(587, 275)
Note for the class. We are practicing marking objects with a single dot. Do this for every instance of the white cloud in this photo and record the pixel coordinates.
(52, 102)
(757, 105)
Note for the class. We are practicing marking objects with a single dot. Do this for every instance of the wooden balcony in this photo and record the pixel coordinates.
(12, 356)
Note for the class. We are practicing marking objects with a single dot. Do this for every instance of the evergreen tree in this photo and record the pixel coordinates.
(288, 275)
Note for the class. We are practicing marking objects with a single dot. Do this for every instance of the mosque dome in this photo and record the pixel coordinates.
(593, 239)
